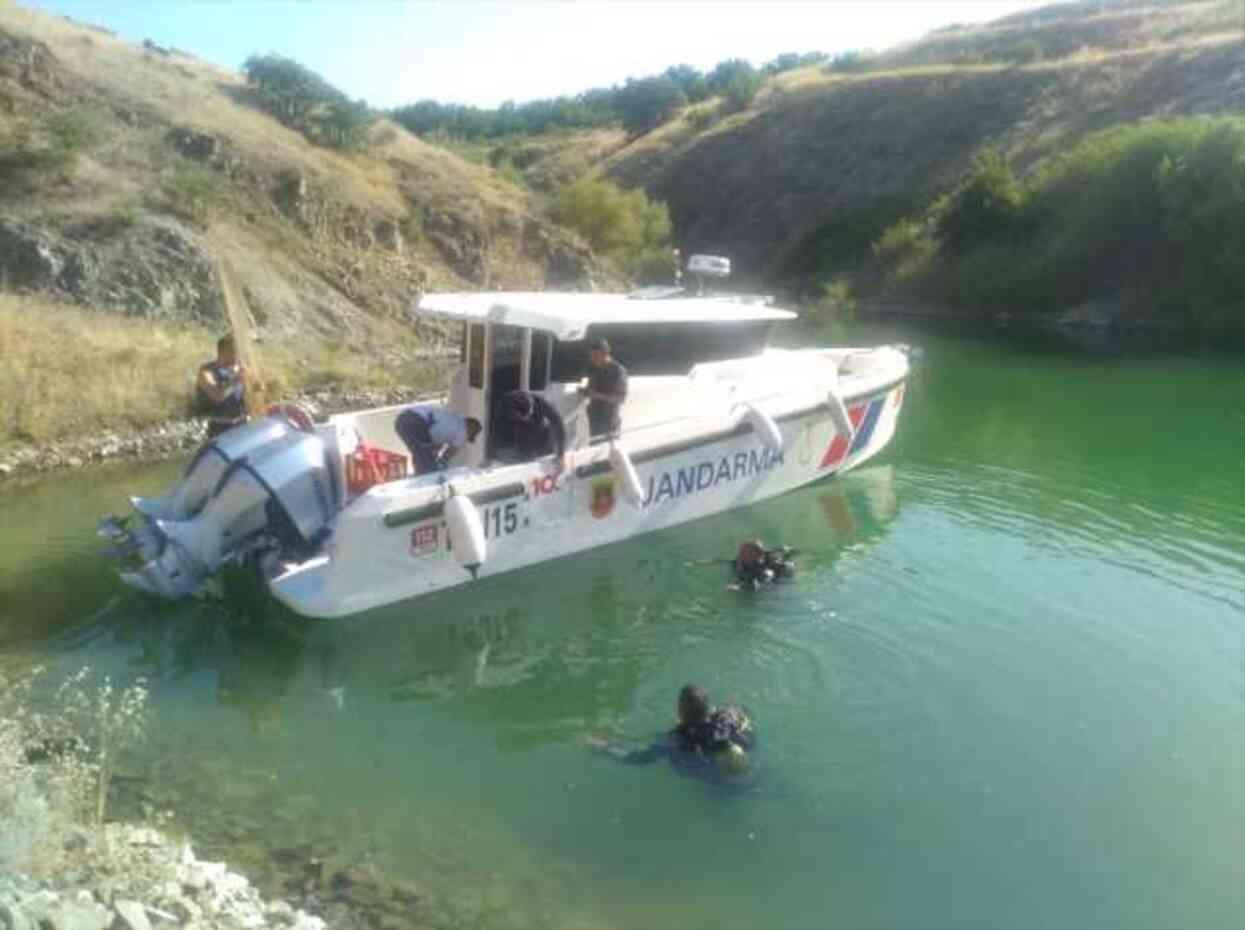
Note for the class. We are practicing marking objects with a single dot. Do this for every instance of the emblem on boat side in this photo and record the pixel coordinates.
(601, 503)
(425, 540)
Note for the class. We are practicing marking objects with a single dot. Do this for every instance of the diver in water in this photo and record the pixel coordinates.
(756, 567)
(713, 742)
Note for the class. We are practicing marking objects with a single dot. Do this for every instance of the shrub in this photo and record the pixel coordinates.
(56, 766)
(623, 224)
(985, 206)
(303, 100)
(853, 62)
(646, 104)
(1151, 213)
(736, 81)
(192, 192)
(50, 145)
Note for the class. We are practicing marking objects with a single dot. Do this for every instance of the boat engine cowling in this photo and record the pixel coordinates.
(280, 497)
(207, 468)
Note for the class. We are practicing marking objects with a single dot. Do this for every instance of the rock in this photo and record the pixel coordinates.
(12, 917)
(75, 915)
(291, 194)
(130, 916)
(74, 462)
(6, 469)
(389, 236)
(195, 145)
(29, 257)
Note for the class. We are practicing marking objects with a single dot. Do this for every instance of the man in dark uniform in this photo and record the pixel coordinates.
(606, 390)
(535, 426)
(220, 389)
(708, 741)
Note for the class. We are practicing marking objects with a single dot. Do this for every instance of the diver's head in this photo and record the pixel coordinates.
(693, 705)
(750, 552)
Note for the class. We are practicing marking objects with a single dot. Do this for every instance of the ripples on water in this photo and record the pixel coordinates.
(1004, 691)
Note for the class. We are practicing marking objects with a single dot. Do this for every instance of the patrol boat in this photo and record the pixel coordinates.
(715, 418)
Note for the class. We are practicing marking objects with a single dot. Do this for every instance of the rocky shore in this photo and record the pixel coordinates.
(170, 439)
(147, 882)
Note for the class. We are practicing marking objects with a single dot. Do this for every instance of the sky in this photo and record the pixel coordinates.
(484, 52)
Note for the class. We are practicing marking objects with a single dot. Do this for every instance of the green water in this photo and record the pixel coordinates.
(1007, 689)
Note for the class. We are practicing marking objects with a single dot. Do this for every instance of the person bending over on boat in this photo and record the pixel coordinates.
(708, 741)
(434, 434)
(606, 391)
(220, 389)
(535, 426)
(757, 567)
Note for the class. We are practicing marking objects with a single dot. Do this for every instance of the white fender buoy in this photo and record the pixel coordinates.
(467, 531)
(764, 426)
(838, 413)
(632, 490)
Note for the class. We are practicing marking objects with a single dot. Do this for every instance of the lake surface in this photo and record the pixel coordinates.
(1006, 690)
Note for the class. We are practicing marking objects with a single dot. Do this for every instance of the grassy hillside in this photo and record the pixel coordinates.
(824, 161)
(128, 171)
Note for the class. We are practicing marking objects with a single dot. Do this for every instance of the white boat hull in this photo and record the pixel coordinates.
(392, 543)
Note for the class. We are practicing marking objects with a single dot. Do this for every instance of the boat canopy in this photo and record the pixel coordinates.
(568, 316)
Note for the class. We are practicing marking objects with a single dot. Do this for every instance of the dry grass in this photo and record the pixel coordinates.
(183, 90)
(65, 371)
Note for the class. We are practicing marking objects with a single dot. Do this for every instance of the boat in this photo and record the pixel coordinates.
(715, 418)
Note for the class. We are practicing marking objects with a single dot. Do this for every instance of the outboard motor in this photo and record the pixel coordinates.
(208, 466)
(278, 497)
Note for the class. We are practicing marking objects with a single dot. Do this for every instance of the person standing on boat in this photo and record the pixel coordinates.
(606, 390)
(536, 427)
(434, 434)
(220, 389)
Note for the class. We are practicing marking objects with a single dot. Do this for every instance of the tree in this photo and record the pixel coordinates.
(689, 80)
(647, 103)
(737, 81)
(983, 208)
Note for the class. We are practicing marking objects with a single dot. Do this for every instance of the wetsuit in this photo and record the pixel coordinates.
(695, 747)
(773, 565)
(231, 410)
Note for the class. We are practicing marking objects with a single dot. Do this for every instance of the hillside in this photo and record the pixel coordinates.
(823, 161)
(127, 171)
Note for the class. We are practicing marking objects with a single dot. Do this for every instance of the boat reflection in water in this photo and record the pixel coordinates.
(548, 653)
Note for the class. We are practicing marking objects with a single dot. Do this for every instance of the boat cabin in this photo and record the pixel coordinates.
(538, 342)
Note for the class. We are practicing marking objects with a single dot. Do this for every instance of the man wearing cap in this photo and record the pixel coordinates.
(434, 434)
(606, 390)
(536, 426)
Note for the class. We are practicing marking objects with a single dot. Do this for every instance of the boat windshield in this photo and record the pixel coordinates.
(663, 349)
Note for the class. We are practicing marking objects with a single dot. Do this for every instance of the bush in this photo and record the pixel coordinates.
(192, 192)
(853, 62)
(51, 145)
(987, 205)
(56, 766)
(736, 81)
(646, 104)
(303, 100)
(622, 224)
(1151, 213)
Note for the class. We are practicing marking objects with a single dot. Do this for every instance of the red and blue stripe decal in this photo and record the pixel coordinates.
(864, 419)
